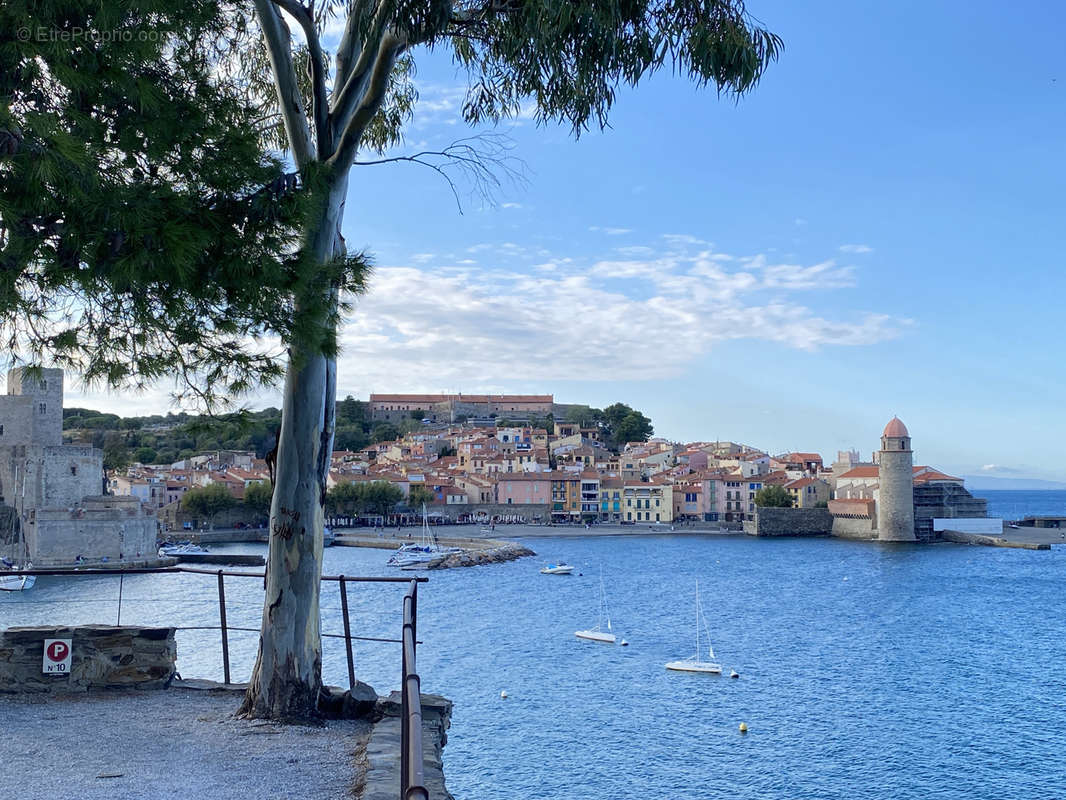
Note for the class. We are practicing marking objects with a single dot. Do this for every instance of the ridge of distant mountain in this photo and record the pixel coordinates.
(980, 482)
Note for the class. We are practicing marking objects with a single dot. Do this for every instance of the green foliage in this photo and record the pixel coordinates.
(383, 432)
(773, 496)
(116, 454)
(571, 57)
(175, 436)
(418, 495)
(208, 501)
(145, 455)
(417, 415)
(257, 496)
(375, 497)
(144, 231)
(821, 504)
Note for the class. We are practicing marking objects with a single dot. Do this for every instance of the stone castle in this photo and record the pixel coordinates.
(52, 507)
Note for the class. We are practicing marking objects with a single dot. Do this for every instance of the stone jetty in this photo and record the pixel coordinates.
(492, 553)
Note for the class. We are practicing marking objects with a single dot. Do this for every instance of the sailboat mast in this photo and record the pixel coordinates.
(697, 619)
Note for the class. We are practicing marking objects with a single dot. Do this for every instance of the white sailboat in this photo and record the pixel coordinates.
(16, 582)
(694, 664)
(10, 578)
(414, 553)
(598, 634)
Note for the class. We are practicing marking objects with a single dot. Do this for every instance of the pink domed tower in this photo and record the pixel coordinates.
(895, 504)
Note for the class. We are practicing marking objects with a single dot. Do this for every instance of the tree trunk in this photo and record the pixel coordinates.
(287, 678)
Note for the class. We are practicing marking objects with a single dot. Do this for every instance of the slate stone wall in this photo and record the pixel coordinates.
(103, 657)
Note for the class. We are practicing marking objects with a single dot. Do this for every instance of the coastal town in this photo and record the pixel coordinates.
(505, 458)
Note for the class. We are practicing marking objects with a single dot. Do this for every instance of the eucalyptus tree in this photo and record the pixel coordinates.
(566, 59)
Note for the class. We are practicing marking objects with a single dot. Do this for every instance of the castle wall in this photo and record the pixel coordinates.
(106, 527)
(790, 522)
(854, 528)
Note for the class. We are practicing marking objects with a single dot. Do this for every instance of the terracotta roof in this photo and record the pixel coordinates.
(862, 472)
(895, 427)
(467, 398)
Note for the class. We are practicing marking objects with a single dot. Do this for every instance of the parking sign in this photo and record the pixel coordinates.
(57, 656)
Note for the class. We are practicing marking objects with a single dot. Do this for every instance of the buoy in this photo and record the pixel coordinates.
(503, 695)
(734, 674)
(743, 727)
(625, 643)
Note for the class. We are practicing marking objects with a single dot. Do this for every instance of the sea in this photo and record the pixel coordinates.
(866, 671)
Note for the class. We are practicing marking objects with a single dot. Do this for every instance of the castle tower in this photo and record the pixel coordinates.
(895, 506)
(39, 419)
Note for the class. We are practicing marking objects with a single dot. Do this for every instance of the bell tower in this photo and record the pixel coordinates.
(895, 504)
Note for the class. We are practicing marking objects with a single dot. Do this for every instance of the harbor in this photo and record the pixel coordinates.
(805, 663)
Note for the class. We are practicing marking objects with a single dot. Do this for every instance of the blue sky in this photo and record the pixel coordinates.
(876, 230)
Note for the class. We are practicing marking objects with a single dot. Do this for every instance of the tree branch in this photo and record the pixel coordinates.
(483, 160)
(352, 91)
(373, 97)
(276, 34)
(319, 103)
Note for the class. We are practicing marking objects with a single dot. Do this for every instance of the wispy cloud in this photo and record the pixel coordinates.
(610, 231)
(856, 248)
(638, 318)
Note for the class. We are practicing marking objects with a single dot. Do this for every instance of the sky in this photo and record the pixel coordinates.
(876, 230)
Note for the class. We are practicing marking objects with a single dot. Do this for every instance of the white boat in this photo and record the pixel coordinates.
(562, 568)
(16, 582)
(598, 634)
(412, 554)
(182, 549)
(693, 663)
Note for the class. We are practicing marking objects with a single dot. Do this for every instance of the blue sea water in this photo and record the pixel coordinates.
(867, 671)
(1012, 504)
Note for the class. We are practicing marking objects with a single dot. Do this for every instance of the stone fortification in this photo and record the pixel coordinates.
(103, 657)
(790, 522)
(54, 490)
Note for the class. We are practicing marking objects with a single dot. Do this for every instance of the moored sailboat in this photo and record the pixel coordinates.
(695, 663)
(598, 634)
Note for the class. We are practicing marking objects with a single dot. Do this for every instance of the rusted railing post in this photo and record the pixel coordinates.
(222, 621)
(412, 783)
(347, 634)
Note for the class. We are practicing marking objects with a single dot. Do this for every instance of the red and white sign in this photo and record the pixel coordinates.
(57, 656)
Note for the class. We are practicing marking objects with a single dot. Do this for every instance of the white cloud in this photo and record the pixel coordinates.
(610, 231)
(511, 205)
(657, 314)
(856, 248)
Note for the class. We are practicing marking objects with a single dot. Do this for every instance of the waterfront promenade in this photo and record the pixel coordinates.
(185, 742)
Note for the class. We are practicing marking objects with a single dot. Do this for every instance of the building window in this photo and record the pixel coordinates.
(73, 469)
(42, 408)
(1, 430)
(44, 386)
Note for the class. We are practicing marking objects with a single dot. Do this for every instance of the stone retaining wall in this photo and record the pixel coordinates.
(103, 657)
(790, 522)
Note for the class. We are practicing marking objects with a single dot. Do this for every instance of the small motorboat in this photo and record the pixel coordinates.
(181, 549)
(562, 568)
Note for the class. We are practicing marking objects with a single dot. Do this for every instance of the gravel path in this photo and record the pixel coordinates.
(177, 743)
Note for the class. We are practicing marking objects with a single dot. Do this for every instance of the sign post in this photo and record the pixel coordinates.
(57, 654)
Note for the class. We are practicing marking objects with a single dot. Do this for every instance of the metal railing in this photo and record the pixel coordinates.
(411, 769)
